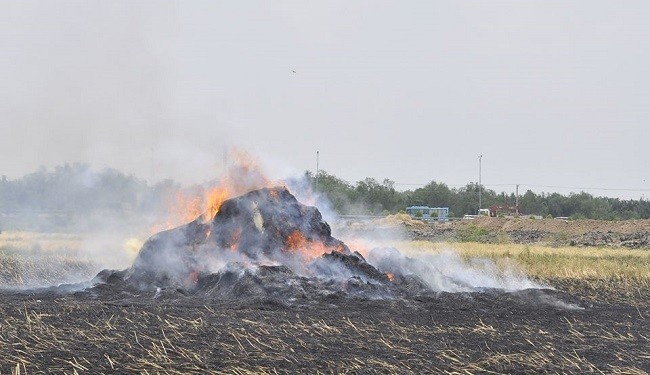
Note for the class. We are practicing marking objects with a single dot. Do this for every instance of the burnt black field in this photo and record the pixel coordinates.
(116, 331)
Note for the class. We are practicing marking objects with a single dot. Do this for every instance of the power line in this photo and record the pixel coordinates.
(571, 187)
(532, 185)
(584, 188)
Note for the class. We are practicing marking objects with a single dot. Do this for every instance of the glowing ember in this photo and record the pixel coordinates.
(193, 277)
(234, 240)
(295, 241)
(314, 250)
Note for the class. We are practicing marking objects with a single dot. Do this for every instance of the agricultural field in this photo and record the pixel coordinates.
(32, 259)
(594, 320)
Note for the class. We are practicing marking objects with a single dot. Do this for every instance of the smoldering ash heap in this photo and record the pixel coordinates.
(264, 243)
(263, 224)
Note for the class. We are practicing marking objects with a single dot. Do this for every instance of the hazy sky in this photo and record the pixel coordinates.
(551, 93)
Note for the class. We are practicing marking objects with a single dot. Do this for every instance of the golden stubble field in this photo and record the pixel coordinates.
(603, 274)
(30, 259)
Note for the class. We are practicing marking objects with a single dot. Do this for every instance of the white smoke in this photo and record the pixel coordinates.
(111, 241)
(447, 272)
(385, 246)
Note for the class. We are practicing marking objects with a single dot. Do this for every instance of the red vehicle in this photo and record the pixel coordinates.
(506, 210)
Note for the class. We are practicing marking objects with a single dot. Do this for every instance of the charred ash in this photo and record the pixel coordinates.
(261, 244)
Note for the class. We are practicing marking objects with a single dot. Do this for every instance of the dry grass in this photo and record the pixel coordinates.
(34, 242)
(597, 274)
(29, 259)
(549, 262)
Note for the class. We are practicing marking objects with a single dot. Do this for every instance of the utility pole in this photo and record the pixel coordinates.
(517, 200)
(480, 188)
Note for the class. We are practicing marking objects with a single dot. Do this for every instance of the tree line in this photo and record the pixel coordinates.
(77, 188)
(371, 196)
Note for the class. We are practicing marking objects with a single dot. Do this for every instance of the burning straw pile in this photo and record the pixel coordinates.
(261, 244)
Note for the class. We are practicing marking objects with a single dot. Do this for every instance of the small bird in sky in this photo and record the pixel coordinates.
(293, 71)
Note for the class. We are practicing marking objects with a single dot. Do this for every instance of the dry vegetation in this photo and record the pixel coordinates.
(32, 259)
(29, 259)
(37, 243)
(453, 333)
(550, 262)
(601, 274)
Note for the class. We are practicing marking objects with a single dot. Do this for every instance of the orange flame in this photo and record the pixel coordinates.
(215, 199)
(184, 208)
(297, 243)
(243, 176)
(390, 276)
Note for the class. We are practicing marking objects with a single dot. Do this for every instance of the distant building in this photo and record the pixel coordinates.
(428, 213)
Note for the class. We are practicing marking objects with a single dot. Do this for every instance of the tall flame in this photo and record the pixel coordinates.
(244, 175)
(215, 199)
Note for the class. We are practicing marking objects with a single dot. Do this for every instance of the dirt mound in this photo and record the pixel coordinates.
(570, 227)
(625, 233)
(400, 219)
